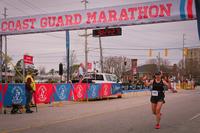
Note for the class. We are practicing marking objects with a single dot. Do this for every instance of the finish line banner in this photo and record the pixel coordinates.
(132, 14)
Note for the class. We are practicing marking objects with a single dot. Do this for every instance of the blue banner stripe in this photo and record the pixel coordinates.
(182, 9)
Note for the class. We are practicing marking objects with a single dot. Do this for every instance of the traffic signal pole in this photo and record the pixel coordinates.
(6, 62)
(183, 57)
(67, 54)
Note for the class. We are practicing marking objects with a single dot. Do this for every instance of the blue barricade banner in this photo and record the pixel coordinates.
(14, 94)
(1, 95)
(116, 89)
(62, 92)
(93, 91)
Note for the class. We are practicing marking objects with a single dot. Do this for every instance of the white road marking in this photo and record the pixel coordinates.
(194, 117)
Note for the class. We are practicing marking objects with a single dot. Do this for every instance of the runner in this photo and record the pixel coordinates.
(157, 96)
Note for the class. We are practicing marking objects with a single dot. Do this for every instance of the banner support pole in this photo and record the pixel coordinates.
(197, 4)
(67, 54)
(1, 59)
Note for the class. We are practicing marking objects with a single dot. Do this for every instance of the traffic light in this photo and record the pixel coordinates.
(60, 69)
(125, 63)
(185, 51)
(150, 52)
(166, 52)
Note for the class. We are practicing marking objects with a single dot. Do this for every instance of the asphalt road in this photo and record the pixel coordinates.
(181, 114)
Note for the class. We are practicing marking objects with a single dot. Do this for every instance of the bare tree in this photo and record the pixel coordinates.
(192, 68)
(163, 62)
(116, 65)
(72, 58)
(42, 70)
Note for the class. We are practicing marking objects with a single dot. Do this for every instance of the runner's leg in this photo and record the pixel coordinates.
(153, 106)
(158, 110)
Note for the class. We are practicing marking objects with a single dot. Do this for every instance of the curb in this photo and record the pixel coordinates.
(136, 94)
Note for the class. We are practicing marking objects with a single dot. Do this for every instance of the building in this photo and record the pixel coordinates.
(194, 54)
(192, 63)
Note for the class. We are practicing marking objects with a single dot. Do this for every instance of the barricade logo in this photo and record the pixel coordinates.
(93, 91)
(17, 93)
(61, 92)
(79, 88)
(42, 93)
(105, 90)
(116, 87)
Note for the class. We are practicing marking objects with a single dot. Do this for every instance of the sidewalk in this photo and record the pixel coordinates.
(136, 93)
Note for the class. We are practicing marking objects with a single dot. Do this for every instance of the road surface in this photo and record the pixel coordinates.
(181, 114)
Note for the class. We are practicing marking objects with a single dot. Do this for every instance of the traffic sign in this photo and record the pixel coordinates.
(28, 59)
(89, 66)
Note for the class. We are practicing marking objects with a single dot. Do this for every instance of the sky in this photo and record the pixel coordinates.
(49, 49)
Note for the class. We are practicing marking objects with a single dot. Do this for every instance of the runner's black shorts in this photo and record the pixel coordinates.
(156, 99)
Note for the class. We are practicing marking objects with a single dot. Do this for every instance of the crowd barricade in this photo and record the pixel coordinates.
(105, 90)
(1, 95)
(46, 93)
(79, 91)
(62, 92)
(93, 91)
(116, 89)
(43, 93)
(14, 94)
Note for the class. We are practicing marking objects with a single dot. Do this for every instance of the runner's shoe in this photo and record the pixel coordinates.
(157, 126)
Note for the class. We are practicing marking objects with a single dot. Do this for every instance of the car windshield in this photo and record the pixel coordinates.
(112, 78)
(97, 77)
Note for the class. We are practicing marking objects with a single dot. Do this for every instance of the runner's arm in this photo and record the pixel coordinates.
(148, 83)
(167, 84)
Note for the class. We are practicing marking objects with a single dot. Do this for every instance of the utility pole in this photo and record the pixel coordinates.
(24, 70)
(101, 54)
(85, 2)
(158, 61)
(183, 56)
(71, 62)
(6, 62)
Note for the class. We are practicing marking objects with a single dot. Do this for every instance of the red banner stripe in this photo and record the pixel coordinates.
(189, 9)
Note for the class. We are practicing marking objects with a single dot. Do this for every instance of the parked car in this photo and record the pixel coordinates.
(101, 78)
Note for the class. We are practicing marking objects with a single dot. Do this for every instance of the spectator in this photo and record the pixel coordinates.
(29, 93)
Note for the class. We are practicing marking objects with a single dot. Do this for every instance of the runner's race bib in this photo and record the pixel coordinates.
(154, 93)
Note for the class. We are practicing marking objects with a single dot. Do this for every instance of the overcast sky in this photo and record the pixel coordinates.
(48, 49)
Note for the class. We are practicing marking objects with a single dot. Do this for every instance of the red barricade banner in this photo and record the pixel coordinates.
(43, 93)
(4, 90)
(105, 90)
(80, 91)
